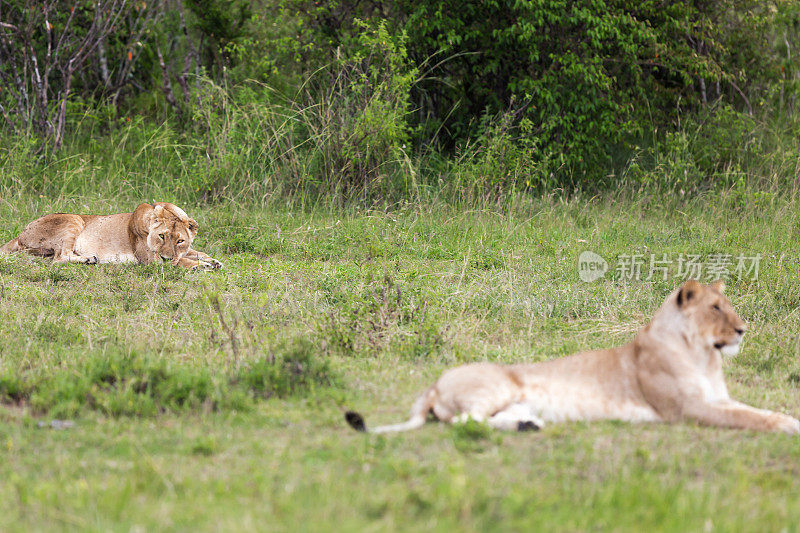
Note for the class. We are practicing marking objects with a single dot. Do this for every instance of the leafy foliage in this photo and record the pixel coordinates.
(584, 79)
(354, 96)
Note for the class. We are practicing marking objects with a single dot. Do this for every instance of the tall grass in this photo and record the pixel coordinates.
(342, 138)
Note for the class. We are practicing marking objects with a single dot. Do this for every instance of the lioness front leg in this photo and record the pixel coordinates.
(733, 414)
(204, 261)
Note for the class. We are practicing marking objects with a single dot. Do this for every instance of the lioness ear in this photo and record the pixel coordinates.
(718, 286)
(158, 210)
(193, 227)
(688, 291)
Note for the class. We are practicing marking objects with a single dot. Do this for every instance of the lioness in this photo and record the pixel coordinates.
(672, 370)
(160, 231)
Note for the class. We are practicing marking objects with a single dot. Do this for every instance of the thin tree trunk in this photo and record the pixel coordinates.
(101, 55)
(167, 85)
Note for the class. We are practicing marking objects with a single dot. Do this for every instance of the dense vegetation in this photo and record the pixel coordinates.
(258, 98)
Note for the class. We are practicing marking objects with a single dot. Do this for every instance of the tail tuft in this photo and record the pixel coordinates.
(356, 421)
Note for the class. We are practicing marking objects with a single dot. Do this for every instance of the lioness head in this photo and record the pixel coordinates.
(171, 232)
(713, 315)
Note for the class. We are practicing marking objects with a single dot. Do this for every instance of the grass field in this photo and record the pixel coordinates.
(215, 400)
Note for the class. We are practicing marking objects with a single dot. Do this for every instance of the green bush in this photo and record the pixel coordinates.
(131, 384)
(380, 317)
(583, 79)
(295, 369)
(720, 148)
(374, 81)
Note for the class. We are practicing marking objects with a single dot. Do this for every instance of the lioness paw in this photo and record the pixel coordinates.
(83, 259)
(212, 263)
(788, 425)
(528, 425)
(209, 263)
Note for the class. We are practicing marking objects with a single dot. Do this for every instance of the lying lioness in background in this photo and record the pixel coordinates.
(156, 232)
(671, 371)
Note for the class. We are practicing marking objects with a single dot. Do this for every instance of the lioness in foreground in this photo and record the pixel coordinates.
(160, 231)
(672, 370)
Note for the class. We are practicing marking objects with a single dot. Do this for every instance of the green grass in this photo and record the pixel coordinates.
(216, 400)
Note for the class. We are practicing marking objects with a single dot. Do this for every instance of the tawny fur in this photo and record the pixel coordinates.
(152, 233)
(671, 371)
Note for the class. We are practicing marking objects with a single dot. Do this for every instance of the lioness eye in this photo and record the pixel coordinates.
(715, 307)
(161, 236)
(180, 241)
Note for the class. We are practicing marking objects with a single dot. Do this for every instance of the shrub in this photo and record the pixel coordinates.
(292, 369)
(585, 79)
(718, 149)
(381, 316)
(121, 383)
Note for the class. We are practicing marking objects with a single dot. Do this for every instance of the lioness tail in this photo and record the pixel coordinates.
(419, 413)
